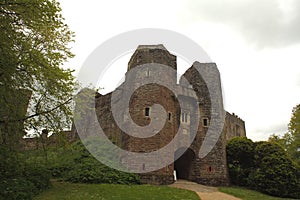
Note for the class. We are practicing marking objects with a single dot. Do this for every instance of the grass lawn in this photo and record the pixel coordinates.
(63, 190)
(246, 194)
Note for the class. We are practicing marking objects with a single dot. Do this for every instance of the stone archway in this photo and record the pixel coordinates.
(183, 165)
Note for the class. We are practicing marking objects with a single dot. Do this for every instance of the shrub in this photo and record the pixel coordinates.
(16, 188)
(240, 159)
(79, 166)
(87, 169)
(38, 175)
(100, 174)
(275, 173)
(20, 180)
(263, 166)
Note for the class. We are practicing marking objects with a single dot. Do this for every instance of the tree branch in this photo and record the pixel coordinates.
(37, 114)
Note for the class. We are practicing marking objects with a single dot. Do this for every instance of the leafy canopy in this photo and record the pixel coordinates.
(33, 46)
(290, 141)
(294, 132)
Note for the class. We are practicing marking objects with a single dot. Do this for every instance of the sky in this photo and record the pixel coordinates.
(255, 44)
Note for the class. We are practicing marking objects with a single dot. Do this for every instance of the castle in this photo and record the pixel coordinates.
(193, 91)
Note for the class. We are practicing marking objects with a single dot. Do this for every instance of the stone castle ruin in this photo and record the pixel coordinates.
(181, 118)
(193, 92)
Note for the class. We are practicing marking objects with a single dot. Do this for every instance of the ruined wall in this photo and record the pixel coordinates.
(193, 92)
(234, 126)
(55, 140)
(152, 54)
(212, 169)
(106, 120)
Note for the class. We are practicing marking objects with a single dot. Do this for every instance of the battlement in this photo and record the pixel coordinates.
(155, 46)
(145, 54)
(234, 126)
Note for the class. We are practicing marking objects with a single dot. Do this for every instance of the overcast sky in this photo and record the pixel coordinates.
(255, 44)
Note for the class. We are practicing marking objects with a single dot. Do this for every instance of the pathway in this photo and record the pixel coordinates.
(204, 192)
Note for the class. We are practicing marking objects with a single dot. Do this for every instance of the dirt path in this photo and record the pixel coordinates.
(204, 192)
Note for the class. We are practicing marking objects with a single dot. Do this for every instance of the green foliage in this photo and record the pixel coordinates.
(269, 169)
(283, 141)
(87, 169)
(247, 194)
(240, 159)
(294, 125)
(19, 180)
(9, 164)
(76, 164)
(16, 188)
(290, 141)
(294, 132)
(63, 190)
(275, 173)
(25, 186)
(92, 171)
(240, 152)
(33, 46)
(39, 175)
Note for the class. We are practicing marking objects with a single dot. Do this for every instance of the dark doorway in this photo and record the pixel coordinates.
(183, 164)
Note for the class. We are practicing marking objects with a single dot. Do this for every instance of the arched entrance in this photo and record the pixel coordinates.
(182, 165)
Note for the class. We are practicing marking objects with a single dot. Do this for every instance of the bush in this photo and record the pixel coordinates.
(38, 175)
(240, 159)
(275, 173)
(17, 188)
(19, 180)
(87, 169)
(10, 167)
(77, 165)
(262, 166)
(100, 174)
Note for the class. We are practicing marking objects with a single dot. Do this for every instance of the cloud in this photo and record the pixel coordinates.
(264, 23)
(279, 128)
(262, 134)
(298, 82)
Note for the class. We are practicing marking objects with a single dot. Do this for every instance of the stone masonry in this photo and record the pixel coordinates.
(210, 170)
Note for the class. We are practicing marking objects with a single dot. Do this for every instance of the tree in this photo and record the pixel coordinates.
(33, 45)
(284, 141)
(294, 133)
(290, 141)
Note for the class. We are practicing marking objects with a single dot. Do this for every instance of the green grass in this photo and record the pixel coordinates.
(246, 194)
(63, 190)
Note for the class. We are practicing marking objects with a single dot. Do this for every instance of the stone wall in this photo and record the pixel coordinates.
(55, 140)
(234, 126)
(142, 101)
(146, 54)
(211, 169)
(181, 120)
